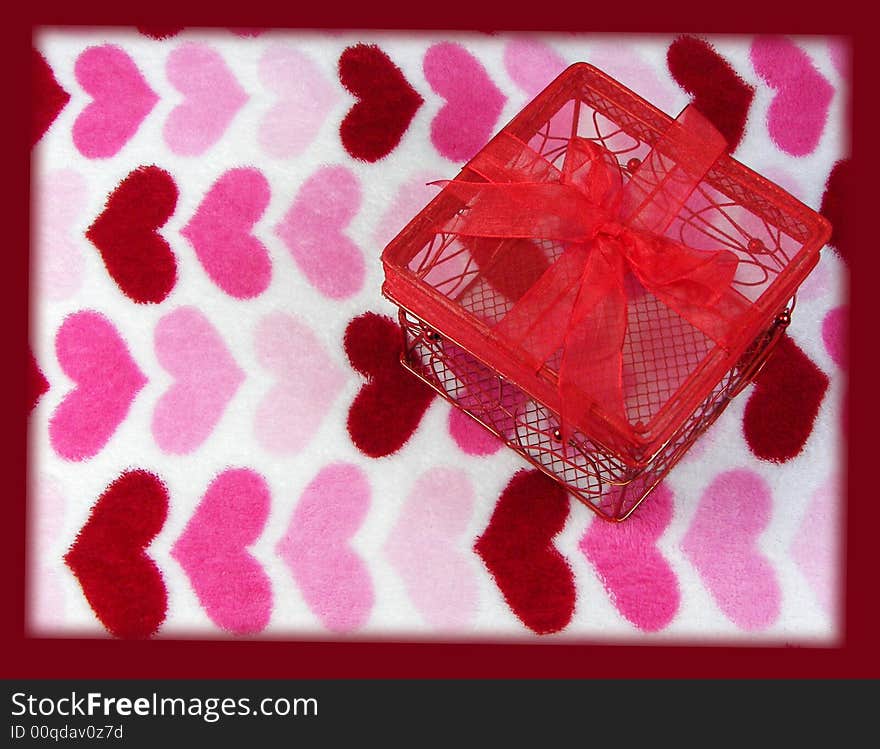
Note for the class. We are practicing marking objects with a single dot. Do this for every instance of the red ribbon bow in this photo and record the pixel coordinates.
(579, 304)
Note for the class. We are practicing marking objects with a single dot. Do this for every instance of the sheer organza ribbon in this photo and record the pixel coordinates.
(608, 228)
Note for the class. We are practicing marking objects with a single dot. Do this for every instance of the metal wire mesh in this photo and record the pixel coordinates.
(592, 473)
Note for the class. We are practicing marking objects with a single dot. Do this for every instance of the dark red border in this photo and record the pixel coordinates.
(857, 657)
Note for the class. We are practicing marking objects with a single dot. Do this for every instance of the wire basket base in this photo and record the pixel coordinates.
(609, 484)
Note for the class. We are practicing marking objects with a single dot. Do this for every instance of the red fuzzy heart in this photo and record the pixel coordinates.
(37, 383)
(47, 96)
(717, 91)
(779, 414)
(387, 102)
(389, 407)
(121, 583)
(160, 32)
(515, 271)
(127, 234)
(834, 203)
(517, 548)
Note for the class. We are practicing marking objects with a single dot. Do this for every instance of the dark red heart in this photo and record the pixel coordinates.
(716, 90)
(47, 96)
(387, 102)
(835, 200)
(37, 384)
(160, 32)
(517, 548)
(516, 271)
(780, 412)
(389, 407)
(121, 583)
(127, 234)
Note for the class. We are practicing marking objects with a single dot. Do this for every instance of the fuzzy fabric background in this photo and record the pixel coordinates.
(222, 441)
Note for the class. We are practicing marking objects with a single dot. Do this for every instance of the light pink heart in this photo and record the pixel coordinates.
(230, 583)
(816, 546)
(305, 97)
(221, 233)
(47, 507)
(473, 105)
(93, 354)
(624, 62)
(121, 101)
(639, 580)
(206, 377)
(722, 544)
(313, 230)
(413, 195)
(799, 110)
(817, 284)
(212, 97)
(532, 64)
(59, 263)
(308, 382)
(334, 580)
(429, 551)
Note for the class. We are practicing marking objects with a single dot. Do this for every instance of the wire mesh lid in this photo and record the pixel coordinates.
(645, 358)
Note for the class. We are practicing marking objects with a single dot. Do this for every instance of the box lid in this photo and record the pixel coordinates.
(466, 286)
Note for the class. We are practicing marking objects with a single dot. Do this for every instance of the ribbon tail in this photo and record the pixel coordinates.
(591, 371)
(537, 323)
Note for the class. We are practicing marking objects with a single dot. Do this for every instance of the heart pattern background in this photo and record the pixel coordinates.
(217, 406)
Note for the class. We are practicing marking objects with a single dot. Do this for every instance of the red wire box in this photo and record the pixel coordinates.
(597, 283)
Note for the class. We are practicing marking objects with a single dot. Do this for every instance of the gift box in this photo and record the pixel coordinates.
(597, 283)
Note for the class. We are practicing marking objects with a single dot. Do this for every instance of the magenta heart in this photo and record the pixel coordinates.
(639, 580)
(722, 543)
(206, 378)
(473, 102)
(212, 97)
(798, 112)
(220, 233)
(121, 101)
(231, 585)
(92, 353)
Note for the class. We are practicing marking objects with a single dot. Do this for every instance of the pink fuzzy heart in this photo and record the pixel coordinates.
(221, 233)
(231, 585)
(93, 354)
(211, 98)
(636, 575)
(121, 101)
(473, 102)
(314, 232)
(308, 381)
(333, 578)
(722, 543)
(429, 551)
(799, 111)
(205, 379)
(304, 98)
